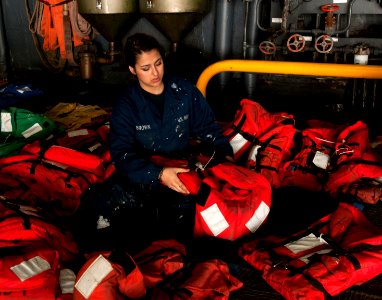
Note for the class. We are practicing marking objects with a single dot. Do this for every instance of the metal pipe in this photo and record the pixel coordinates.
(223, 33)
(249, 45)
(3, 47)
(288, 68)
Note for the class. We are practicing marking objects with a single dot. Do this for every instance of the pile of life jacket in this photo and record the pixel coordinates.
(341, 250)
(322, 156)
(160, 271)
(54, 165)
(337, 159)
(37, 255)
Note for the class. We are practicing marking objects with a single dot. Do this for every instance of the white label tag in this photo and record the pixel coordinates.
(30, 268)
(35, 128)
(6, 122)
(93, 275)
(340, 1)
(321, 160)
(305, 243)
(214, 219)
(78, 132)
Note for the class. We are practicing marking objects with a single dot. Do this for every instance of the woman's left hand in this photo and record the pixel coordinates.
(169, 177)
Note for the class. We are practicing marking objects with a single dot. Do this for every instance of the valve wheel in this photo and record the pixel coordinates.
(296, 43)
(267, 47)
(330, 8)
(324, 43)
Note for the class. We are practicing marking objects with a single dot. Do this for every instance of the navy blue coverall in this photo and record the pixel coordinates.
(137, 130)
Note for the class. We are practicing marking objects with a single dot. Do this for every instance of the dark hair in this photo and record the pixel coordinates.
(138, 43)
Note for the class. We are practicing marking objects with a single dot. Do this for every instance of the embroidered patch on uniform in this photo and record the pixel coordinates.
(258, 217)
(30, 268)
(93, 276)
(35, 128)
(6, 122)
(214, 219)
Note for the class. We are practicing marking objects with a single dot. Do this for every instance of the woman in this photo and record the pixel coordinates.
(158, 115)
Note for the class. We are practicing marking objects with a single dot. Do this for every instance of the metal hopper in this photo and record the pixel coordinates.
(174, 18)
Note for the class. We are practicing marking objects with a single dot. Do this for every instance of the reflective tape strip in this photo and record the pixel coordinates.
(6, 122)
(253, 153)
(35, 128)
(258, 217)
(94, 147)
(214, 219)
(305, 243)
(78, 132)
(93, 276)
(67, 280)
(30, 268)
(237, 142)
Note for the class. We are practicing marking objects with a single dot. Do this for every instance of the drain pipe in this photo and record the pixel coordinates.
(3, 55)
(249, 49)
(223, 34)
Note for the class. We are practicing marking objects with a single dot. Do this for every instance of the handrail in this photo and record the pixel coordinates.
(289, 68)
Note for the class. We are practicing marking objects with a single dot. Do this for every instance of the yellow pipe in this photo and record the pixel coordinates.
(290, 68)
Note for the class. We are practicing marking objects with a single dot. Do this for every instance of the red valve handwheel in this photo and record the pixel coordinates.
(296, 43)
(267, 47)
(330, 7)
(324, 43)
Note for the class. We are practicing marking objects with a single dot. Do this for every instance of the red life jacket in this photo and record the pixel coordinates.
(109, 275)
(353, 174)
(202, 280)
(159, 260)
(233, 200)
(339, 251)
(42, 184)
(23, 225)
(29, 273)
(250, 123)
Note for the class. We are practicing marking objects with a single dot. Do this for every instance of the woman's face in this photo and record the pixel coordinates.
(149, 70)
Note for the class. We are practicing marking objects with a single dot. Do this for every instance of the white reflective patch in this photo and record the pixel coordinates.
(340, 1)
(94, 147)
(67, 280)
(237, 142)
(6, 122)
(253, 153)
(214, 219)
(305, 243)
(35, 128)
(78, 132)
(305, 258)
(258, 217)
(321, 160)
(93, 276)
(30, 268)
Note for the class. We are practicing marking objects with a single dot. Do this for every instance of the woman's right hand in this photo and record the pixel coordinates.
(169, 177)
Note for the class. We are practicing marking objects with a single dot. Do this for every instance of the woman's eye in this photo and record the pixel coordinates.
(145, 69)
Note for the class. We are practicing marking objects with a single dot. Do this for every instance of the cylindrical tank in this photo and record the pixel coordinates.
(111, 18)
(174, 18)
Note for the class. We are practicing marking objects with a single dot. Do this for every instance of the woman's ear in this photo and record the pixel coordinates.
(132, 70)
